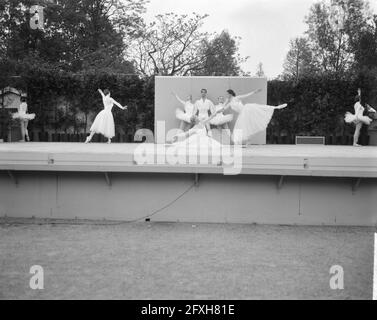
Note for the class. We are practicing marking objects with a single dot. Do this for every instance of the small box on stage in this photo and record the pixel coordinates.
(310, 140)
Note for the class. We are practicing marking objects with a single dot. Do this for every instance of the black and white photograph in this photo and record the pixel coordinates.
(188, 155)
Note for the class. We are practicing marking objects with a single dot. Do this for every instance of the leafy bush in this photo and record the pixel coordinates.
(5, 123)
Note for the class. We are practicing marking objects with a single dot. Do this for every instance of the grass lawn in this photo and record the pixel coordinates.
(181, 261)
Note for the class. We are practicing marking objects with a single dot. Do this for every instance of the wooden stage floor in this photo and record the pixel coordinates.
(283, 160)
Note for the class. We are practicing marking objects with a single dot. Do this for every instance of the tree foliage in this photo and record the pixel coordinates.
(77, 34)
(170, 45)
(299, 60)
(334, 29)
(222, 57)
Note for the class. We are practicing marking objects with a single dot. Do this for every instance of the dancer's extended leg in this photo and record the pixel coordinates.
(89, 138)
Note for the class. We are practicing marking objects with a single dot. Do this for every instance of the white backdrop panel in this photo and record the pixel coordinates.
(166, 104)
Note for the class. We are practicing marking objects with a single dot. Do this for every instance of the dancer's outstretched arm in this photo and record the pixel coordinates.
(119, 105)
(178, 98)
(370, 109)
(249, 94)
(213, 115)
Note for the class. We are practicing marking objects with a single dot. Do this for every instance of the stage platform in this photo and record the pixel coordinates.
(277, 184)
(281, 160)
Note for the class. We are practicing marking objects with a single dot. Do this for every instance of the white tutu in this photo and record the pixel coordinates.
(253, 118)
(351, 118)
(23, 116)
(221, 119)
(104, 124)
(183, 116)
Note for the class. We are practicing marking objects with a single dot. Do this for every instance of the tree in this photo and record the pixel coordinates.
(76, 35)
(222, 57)
(333, 29)
(366, 47)
(170, 45)
(260, 72)
(299, 60)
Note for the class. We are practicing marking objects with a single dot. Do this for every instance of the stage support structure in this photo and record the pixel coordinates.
(356, 185)
(13, 177)
(280, 182)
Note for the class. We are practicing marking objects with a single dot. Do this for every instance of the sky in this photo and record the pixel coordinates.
(265, 26)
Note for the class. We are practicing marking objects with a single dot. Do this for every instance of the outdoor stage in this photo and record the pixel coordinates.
(278, 184)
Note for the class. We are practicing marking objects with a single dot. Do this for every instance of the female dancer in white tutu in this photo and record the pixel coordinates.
(24, 118)
(104, 121)
(252, 117)
(358, 119)
(221, 120)
(185, 116)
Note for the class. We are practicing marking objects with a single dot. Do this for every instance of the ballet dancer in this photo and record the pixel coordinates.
(203, 107)
(104, 121)
(24, 118)
(185, 116)
(252, 117)
(199, 130)
(221, 121)
(358, 119)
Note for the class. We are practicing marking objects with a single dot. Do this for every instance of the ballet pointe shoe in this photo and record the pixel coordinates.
(87, 139)
(109, 141)
(356, 145)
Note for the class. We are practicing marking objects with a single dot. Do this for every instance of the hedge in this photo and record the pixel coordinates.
(316, 105)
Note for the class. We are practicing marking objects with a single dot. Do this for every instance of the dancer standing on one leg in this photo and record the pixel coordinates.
(24, 118)
(253, 118)
(185, 116)
(358, 119)
(104, 121)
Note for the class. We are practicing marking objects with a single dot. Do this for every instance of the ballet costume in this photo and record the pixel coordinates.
(358, 117)
(24, 118)
(104, 121)
(220, 119)
(187, 113)
(22, 113)
(252, 119)
(204, 107)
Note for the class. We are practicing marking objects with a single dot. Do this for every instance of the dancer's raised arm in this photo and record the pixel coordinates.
(101, 92)
(249, 94)
(178, 98)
